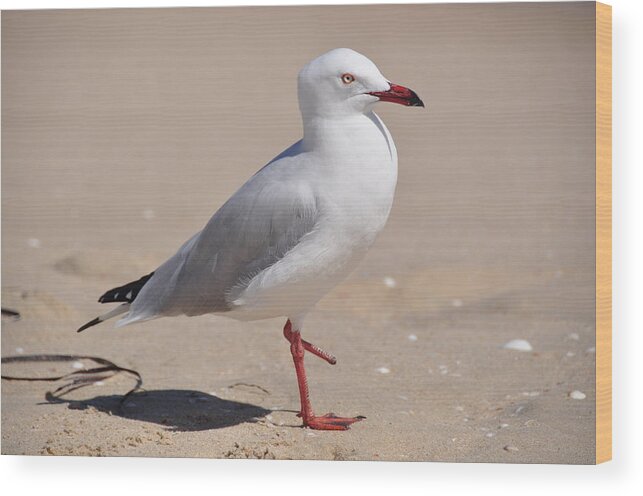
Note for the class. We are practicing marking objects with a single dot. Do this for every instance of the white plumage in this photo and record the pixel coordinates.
(298, 226)
(301, 224)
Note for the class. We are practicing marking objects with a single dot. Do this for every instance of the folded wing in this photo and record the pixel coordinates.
(255, 229)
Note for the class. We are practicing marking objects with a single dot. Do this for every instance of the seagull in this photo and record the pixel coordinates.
(297, 227)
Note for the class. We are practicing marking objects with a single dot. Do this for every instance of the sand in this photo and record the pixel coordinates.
(123, 131)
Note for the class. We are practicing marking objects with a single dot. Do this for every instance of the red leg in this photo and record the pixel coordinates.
(297, 349)
(289, 333)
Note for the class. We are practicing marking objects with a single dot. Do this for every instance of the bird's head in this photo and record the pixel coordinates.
(343, 82)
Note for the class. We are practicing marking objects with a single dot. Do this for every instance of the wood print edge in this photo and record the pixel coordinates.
(603, 232)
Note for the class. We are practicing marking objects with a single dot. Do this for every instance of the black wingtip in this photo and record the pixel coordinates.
(126, 293)
(89, 324)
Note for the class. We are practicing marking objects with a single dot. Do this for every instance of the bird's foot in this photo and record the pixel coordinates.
(330, 422)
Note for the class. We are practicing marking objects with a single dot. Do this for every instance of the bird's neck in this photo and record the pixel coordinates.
(327, 134)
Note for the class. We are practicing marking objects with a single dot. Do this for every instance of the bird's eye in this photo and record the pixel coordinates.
(348, 78)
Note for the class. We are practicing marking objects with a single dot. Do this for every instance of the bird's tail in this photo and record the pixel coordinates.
(101, 318)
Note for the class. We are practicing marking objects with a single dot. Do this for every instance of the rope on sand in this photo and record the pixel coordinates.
(77, 379)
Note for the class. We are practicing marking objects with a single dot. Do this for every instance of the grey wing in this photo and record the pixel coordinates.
(255, 229)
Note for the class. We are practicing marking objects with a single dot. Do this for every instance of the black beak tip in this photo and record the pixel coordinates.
(415, 101)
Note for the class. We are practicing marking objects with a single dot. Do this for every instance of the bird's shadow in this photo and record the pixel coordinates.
(176, 409)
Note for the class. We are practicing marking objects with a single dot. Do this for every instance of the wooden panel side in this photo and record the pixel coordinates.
(603, 232)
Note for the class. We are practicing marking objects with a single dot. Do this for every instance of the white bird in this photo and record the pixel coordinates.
(297, 227)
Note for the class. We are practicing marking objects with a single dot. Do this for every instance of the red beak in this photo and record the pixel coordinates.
(399, 94)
